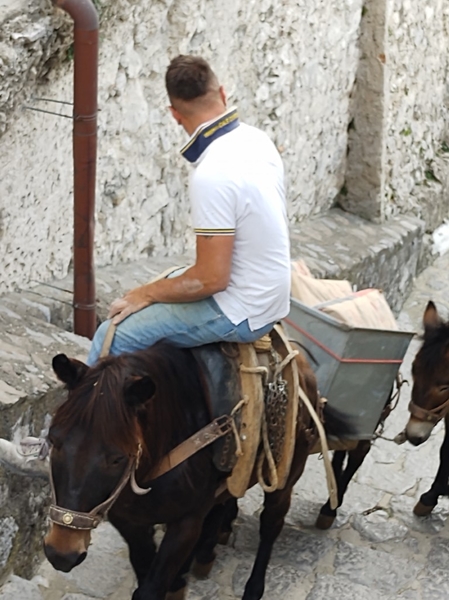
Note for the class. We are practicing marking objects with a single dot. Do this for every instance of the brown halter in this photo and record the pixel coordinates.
(79, 520)
(433, 415)
(215, 430)
(86, 521)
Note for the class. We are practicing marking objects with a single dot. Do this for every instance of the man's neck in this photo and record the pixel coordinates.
(192, 123)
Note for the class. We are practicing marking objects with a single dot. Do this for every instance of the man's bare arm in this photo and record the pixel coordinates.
(209, 275)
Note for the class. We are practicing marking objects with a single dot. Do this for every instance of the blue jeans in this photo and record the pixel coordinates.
(185, 325)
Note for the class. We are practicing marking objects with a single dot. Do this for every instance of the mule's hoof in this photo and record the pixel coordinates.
(201, 570)
(324, 521)
(178, 595)
(421, 510)
(223, 538)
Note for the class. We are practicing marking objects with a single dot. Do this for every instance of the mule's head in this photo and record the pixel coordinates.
(93, 436)
(430, 393)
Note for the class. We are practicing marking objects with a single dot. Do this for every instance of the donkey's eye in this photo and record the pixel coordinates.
(54, 441)
(116, 460)
(444, 388)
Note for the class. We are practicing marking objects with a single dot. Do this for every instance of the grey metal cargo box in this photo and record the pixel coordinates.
(356, 367)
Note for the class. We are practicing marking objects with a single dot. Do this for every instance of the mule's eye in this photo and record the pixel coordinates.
(117, 460)
(444, 388)
(54, 441)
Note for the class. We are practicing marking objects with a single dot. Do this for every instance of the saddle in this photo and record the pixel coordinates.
(257, 384)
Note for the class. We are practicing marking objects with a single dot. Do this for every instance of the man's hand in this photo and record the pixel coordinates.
(131, 302)
(209, 275)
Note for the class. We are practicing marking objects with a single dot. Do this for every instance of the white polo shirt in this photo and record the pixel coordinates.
(237, 188)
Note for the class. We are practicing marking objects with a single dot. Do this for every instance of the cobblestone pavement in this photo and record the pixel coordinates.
(381, 554)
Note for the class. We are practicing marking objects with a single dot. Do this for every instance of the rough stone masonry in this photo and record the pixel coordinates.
(354, 95)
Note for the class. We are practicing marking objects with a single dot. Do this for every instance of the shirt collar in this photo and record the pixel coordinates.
(206, 133)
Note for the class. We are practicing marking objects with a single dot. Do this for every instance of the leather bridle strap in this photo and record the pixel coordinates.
(80, 520)
(433, 415)
(217, 429)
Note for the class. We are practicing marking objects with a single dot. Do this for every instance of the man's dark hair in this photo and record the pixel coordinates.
(189, 77)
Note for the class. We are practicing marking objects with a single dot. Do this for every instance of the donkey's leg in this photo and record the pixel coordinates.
(230, 515)
(276, 506)
(176, 547)
(355, 459)
(203, 555)
(204, 551)
(439, 487)
(327, 515)
(142, 548)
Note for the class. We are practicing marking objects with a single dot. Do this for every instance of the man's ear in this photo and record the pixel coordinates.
(137, 390)
(176, 115)
(223, 95)
(69, 370)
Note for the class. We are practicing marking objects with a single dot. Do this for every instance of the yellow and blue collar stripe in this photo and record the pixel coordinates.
(206, 134)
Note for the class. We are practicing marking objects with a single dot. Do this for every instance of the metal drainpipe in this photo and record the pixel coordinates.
(86, 24)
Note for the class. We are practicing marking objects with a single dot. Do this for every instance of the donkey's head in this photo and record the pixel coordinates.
(430, 393)
(94, 438)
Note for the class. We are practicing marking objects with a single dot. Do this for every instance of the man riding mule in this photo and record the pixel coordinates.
(239, 285)
(133, 440)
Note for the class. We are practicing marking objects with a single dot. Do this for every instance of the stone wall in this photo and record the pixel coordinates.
(322, 78)
(399, 132)
(417, 143)
(289, 66)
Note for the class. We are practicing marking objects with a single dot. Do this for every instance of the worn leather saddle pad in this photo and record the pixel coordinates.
(231, 373)
(219, 367)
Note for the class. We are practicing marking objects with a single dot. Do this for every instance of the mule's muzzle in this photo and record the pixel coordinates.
(418, 432)
(63, 562)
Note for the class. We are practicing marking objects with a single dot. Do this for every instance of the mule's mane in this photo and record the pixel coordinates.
(97, 404)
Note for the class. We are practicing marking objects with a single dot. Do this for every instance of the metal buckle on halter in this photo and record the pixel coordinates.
(72, 519)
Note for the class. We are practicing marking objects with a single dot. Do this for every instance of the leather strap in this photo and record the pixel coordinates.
(433, 415)
(107, 342)
(201, 439)
(72, 519)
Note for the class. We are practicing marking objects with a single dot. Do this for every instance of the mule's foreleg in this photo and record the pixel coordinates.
(175, 549)
(439, 487)
(355, 459)
(276, 506)
(142, 548)
(218, 518)
(231, 512)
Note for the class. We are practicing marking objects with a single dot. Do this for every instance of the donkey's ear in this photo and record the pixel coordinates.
(137, 390)
(69, 370)
(431, 318)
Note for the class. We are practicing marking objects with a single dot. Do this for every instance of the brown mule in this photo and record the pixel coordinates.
(153, 399)
(430, 401)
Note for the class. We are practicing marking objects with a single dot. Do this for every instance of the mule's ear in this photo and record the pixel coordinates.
(137, 390)
(431, 318)
(69, 370)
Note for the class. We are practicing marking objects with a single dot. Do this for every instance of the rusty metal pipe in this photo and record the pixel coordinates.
(86, 25)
